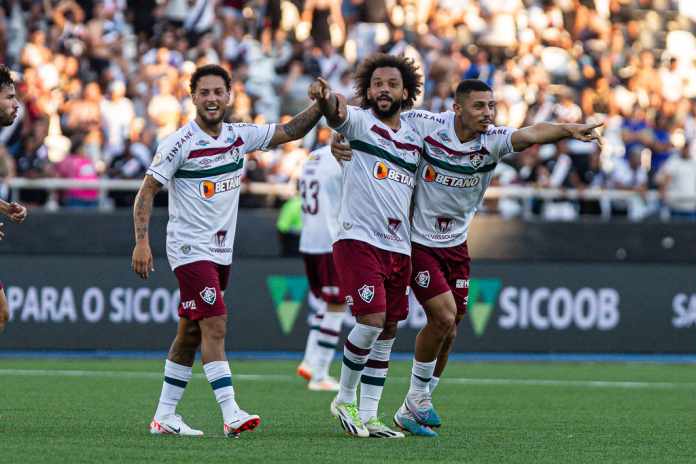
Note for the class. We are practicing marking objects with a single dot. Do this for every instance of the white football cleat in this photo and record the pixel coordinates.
(173, 424)
(379, 429)
(242, 423)
(348, 417)
(327, 384)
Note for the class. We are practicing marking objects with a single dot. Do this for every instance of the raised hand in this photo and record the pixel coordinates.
(586, 132)
(319, 90)
(340, 148)
(17, 213)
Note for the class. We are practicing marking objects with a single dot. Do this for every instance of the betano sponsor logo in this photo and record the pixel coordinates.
(381, 171)
(208, 188)
(287, 292)
(431, 175)
(684, 307)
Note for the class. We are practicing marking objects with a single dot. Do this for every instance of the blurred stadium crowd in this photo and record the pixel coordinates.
(103, 81)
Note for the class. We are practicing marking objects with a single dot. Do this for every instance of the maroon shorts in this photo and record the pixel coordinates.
(323, 278)
(374, 280)
(440, 270)
(201, 284)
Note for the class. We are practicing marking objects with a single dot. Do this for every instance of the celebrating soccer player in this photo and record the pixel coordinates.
(202, 163)
(9, 106)
(373, 247)
(462, 148)
(320, 189)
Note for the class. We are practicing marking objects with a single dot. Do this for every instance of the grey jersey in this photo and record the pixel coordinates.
(378, 182)
(320, 188)
(452, 177)
(204, 175)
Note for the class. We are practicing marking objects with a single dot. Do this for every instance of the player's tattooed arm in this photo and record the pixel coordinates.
(546, 132)
(332, 105)
(297, 127)
(142, 262)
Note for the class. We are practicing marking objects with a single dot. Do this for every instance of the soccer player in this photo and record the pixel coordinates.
(373, 247)
(9, 106)
(320, 190)
(202, 163)
(462, 148)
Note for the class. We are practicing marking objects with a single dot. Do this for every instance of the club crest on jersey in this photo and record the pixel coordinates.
(444, 224)
(381, 171)
(476, 160)
(209, 188)
(431, 175)
(393, 226)
(209, 295)
(367, 293)
(423, 279)
(220, 238)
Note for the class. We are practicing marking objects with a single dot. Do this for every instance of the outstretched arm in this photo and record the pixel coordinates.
(546, 132)
(297, 127)
(332, 105)
(142, 262)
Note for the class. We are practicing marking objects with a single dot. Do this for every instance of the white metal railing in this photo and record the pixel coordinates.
(520, 193)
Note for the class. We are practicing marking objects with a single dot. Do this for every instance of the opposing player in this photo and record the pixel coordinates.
(202, 163)
(462, 148)
(9, 106)
(372, 251)
(320, 189)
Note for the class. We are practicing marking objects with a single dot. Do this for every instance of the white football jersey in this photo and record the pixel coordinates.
(204, 175)
(320, 188)
(452, 177)
(378, 182)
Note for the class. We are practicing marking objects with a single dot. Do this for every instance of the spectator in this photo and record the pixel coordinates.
(79, 166)
(677, 183)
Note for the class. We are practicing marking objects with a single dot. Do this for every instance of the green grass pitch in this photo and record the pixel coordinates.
(97, 411)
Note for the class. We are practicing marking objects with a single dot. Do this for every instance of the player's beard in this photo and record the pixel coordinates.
(211, 121)
(391, 111)
(7, 118)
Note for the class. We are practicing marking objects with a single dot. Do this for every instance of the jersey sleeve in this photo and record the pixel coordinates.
(255, 137)
(354, 125)
(499, 141)
(169, 157)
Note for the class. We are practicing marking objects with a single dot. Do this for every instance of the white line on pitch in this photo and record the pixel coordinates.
(289, 378)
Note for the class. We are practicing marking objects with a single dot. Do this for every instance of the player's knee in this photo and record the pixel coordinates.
(444, 321)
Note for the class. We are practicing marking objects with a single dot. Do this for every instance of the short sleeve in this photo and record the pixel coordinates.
(499, 141)
(255, 137)
(354, 125)
(167, 160)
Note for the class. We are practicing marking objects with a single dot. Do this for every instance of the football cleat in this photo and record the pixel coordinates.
(348, 417)
(405, 420)
(328, 384)
(304, 371)
(421, 407)
(242, 423)
(379, 429)
(173, 424)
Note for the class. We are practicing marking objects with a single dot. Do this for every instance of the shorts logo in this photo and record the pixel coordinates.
(185, 249)
(476, 160)
(190, 304)
(444, 224)
(367, 293)
(347, 225)
(393, 226)
(220, 238)
(349, 300)
(423, 279)
(462, 283)
(209, 295)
